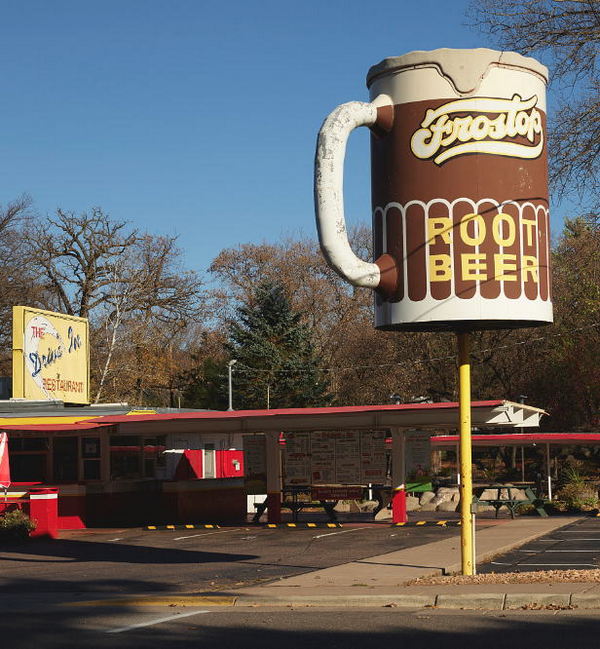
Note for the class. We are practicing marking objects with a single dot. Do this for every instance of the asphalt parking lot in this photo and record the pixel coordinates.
(136, 560)
(574, 547)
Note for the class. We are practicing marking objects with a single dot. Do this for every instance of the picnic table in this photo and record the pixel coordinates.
(296, 499)
(504, 495)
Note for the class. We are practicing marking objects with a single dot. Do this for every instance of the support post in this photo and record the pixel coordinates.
(398, 476)
(548, 471)
(273, 461)
(466, 475)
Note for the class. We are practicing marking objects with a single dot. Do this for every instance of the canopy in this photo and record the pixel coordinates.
(4, 464)
(410, 415)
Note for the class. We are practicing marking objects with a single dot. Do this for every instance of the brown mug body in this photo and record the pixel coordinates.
(460, 192)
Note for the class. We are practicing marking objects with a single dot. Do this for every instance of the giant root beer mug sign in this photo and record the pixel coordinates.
(459, 191)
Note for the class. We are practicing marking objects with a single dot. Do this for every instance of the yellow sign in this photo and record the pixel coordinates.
(50, 356)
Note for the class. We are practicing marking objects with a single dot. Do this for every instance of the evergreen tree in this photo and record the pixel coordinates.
(276, 360)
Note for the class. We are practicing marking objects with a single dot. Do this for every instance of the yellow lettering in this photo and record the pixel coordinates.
(504, 264)
(440, 269)
(479, 229)
(529, 225)
(439, 226)
(497, 230)
(473, 266)
(530, 267)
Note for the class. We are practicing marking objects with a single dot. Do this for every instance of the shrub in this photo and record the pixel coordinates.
(15, 526)
(575, 493)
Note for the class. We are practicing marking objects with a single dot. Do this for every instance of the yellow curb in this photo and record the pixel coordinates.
(183, 600)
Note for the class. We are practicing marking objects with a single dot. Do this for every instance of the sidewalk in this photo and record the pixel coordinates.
(379, 580)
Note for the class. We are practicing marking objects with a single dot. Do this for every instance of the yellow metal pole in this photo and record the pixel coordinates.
(466, 476)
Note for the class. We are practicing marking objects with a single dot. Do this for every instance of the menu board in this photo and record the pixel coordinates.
(297, 459)
(322, 458)
(373, 463)
(335, 457)
(418, 454)
(347, 458)
(255, 464)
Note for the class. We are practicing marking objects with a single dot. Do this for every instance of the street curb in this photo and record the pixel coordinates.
(475, 601)
(418, 601)
(450, 523)
(460, 601)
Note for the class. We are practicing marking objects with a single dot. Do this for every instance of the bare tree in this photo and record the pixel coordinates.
(565, 34)
(131, 286)
(16, 275)
(149, 305)
(75, 255)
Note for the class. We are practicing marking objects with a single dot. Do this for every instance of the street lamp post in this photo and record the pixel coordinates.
(230, 370)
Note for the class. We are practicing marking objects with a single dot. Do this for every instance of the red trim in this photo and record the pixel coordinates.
(249, 414)
(519, 439)
(87, 425)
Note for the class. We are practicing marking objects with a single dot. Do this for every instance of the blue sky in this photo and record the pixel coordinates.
(195, 118)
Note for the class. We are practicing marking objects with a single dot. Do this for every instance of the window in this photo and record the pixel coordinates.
(65, 459)
(125, 457)
(90, 453)
(132, 456)
(27, 444)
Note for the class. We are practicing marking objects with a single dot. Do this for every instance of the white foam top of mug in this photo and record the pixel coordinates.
(465, 69)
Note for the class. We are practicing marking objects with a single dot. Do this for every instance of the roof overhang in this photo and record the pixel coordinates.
(438, 416)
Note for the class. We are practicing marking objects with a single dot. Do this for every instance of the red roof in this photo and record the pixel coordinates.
(278, 412)
(409, 415)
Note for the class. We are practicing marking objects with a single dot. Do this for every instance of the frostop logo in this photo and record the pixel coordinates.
(480, 133)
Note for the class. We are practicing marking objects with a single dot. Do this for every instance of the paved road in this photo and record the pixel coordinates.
(126, 561)
(576, 547)
(299, 629)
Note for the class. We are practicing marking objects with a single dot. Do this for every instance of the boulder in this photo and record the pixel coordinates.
(426, 497)
(412, 503)
(438, 500)
(447, 506)
(368, 505)
(384, 514)
(428, 507)
(489, 494)
(518, 494)
(450, 492)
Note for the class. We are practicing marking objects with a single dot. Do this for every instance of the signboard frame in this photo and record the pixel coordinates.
(38, 374)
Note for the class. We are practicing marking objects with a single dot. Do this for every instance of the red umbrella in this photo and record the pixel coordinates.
(4, 465)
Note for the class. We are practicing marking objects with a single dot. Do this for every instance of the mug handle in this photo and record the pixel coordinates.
(329, 198)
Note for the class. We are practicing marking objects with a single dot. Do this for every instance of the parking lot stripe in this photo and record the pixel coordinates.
(320, 536)
(195, 536)
(503, 563)
(159, 620)
(553, 551)
(187, 526)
